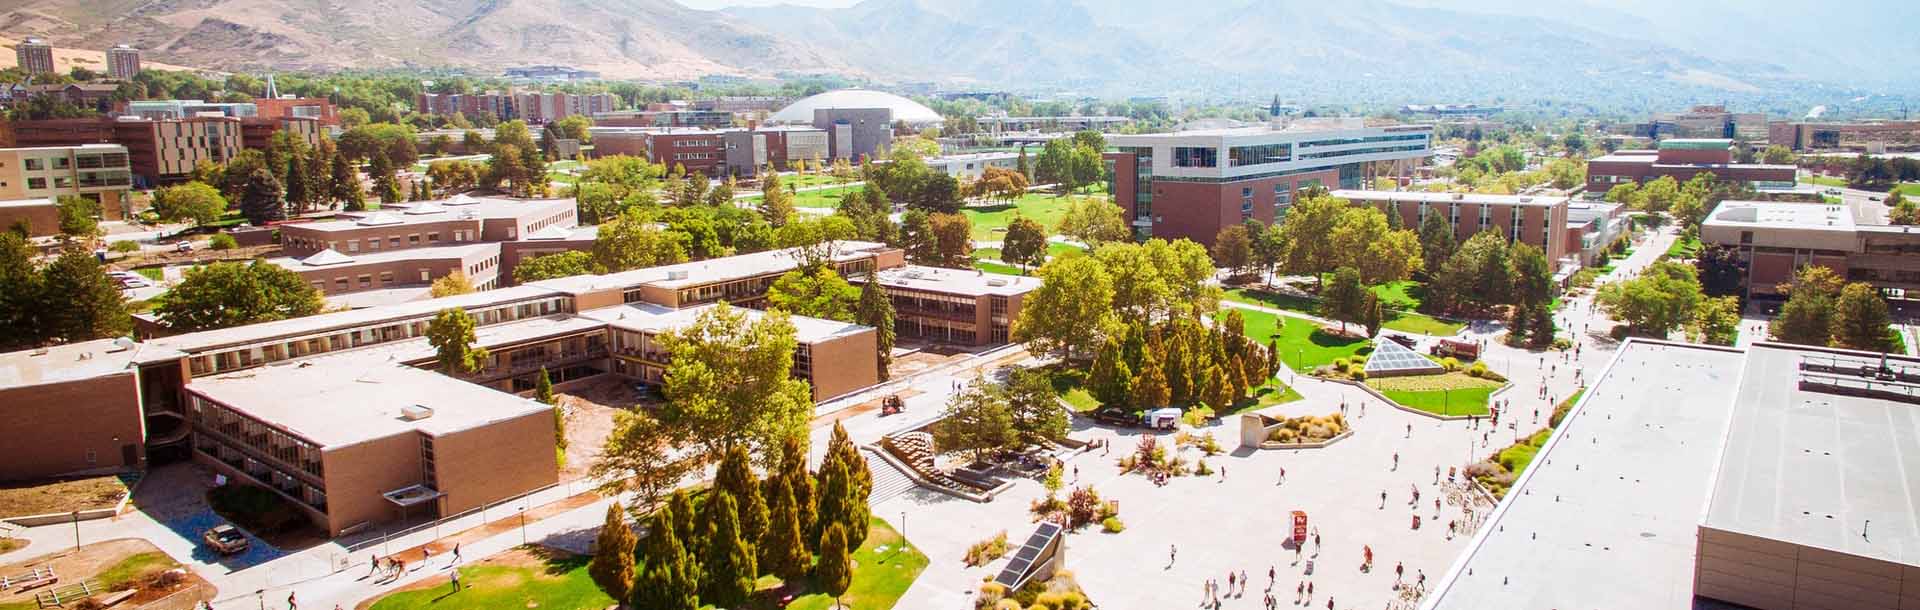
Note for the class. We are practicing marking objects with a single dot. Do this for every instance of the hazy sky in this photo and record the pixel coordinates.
(715, 4)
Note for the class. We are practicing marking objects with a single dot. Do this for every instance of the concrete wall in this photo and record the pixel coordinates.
(53, 428)
(1775, 575)
(357, 474)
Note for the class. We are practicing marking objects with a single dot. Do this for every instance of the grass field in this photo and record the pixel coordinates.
(995, 266)
(1404, 294)
(544, 579)
(885, 565)
(828, 198)
(1403, 321)
(153, 273)
(1684, 248)
(1517, 457)
(1446, 394)
(1826, 181)
(988, 259)
(1301, 343)
(1044, 208)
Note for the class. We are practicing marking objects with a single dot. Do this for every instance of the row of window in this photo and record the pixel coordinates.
(328, 341)
(1414, 137)
(1361, 151)
(1257, 155)
(211, 418)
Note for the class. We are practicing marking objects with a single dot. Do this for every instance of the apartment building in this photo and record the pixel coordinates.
(123, 62)
(34, 56)
(1191, 184)
(286, 107)
(31, 179)
(1775, 239)
(1536, 220)
(1682, 159)
(536, 108)
(664, 118)
(161, 151)
(257, 132)
(94, 96)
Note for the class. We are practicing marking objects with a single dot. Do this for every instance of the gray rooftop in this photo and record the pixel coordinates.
(70, 362)
(1809, 468)
(1471, 198)
(654, 319)
(967, 282)
(1606, 516)
(457, 207)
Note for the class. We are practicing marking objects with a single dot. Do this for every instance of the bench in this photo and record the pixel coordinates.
(29, 583)
(116, 597)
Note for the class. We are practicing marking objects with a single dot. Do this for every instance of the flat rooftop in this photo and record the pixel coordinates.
(654, 319)
(331, 259)
(458, 207)
(1812, 468)
(1583, 212)
(1606, 516)
(70, 362)
(264, 331)
(347, 399)
(1298, 125)
(26, 203)
(1472, 198)
(1782, 214)
(702, 272)
(955, 281)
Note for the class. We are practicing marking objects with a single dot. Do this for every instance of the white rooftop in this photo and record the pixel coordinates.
(70, 362)
(241, 335)
(330, 258)
(458, 207)
(344, 399)
(967, 282)
(702, 272)
(654, 319)
(1607, 514)
(1468, 198)
(1782, 214)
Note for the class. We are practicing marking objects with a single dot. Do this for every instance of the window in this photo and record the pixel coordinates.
(1193, 156)
(62, 163)
(434, 237)
(366, 281)
(353, 246)
(413, 238)
(386, 277)
(36, 183)
(34, 165)
(1258, 155)
(1246, 203)
(373, 244)
(340, 284)
(426, 276)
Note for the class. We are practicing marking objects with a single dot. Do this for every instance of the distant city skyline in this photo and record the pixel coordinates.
(720, 4)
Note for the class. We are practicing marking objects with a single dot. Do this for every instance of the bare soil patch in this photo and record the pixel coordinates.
(59, 496)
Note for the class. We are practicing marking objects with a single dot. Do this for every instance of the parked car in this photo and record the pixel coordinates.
(185, 246)
(1116, 416)
(225, 538)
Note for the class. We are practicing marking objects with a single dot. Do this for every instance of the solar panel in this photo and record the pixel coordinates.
(1015, 574)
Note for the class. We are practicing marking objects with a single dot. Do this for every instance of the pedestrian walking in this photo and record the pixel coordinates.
(1270, 579)
(1299, 592)
(1383, 498)
(1172, 552)
(456, 552)
(292, 604)
(1399, 570)
(1244, 581)
(1396, 460)
(1409, 430)
(456, 580)
(1436, 474)
(373, 564)
(1230, 582)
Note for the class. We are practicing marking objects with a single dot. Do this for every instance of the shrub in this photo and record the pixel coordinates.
(1358, 374)
(125, 246)
(991, 595)
(987, 550)
(1562, 344)
(1197, 416)
(1113, 525)
(1284, 435)
(1201, 468)
(222, 241)
(1083, 506)
(1479, 369)
(1209, 445)
(1060, 600)
(165, 580)
(1340, 363)
(1450, 363)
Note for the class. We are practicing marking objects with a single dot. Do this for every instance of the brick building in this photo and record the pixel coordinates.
(1682, 159)
(1775, 239)
(1536, 220)
(414, 244)
(316, 108)
(952, 305)
(664, 118)
(1192, 184)
(162, 151)
(535, 108)
(123, 62)
(34, 56)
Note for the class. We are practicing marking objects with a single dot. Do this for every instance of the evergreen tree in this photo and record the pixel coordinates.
(835, 500)
(1150, 386)
(1133, 349)
(343, 186)
(729, 565)
(1024, 166)
(263, 199)
(1436, 242)
(299, 186)
(835, 572)
(783, 552)
(686, 524)
(1173, 364)
(669, 581)
(859, 483)
(1110, 382)
(20, 294)
(876, 310)
(612, 566)
(1373, 316)
(793, 469)
(735, 476)
(1541, 326)
(1273, 356)
(380, 169)
(776, 204)
(79, 301)
(543, 388)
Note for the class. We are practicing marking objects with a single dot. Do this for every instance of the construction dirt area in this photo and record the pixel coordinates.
(590, 408)
(158, 582)
(42, 497)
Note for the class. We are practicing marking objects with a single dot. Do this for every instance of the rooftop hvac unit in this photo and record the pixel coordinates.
(996, 282)
(1459, 196)
(415, 412)
(676, 275)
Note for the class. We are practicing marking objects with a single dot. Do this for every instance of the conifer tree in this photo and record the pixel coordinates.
(735, 476)
(859, 484)
(612, 566)
(1110, 381)
(835, 572)
(783, 552)
(1150, 386)
(793, 468)
(833, 503)
(876, 310)
(729, 566)
(669, 580)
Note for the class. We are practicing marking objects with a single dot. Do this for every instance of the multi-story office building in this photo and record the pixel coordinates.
(1776, 239)
(93, 96)
(1711, 122)
(1682, 159)
(634, 331)
(953, 305)
(997, 124)
(123, 62)
(1191, 184)
(1537, 221)
(1862, 136)
(34, 56)
(664, 118)
(100, 172)
(536, 108)
(317, 108)
(1592, 226)
(748, 150)
(162, 150)
(697, 150)
(746, 105)
(971, 166)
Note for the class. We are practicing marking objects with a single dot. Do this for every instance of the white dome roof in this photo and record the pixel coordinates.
(903, 109)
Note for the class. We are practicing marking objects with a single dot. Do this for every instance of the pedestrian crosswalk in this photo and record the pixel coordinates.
(888, 481)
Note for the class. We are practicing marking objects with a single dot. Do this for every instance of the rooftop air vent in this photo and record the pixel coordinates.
(676, 275)
(996, 282)
(415, 412)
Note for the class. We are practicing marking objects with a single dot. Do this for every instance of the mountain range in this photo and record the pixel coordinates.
(1354, 48)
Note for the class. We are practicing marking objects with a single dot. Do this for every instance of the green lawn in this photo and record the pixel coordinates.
(561, 584)
(1044, 208)
(995, 266)
(1517, 457)
(1301, 343)
(1404, 294)
(1403, 321)
(885, 566)
(1069, 384)
(1446, 394)
(823, 198)
(1684, 248)
(988, 259)
(153, 273)
(1827, 181)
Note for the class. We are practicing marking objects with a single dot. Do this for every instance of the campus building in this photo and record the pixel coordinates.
(32, 179)
(1773, 240)
(954, 305)
(715, 152)
(411, 245)
(161, 151)
(34, 56)
(859, 123)
(1191, 184)
(93, 96)
(997, 124)
(1774, 477)
(1539, 221)
(123, 62)
(1861, 136)
(1593, 226)
(181, 109)
(1704, 121)
(971, 166)
(1682, 159)
(664, 118)
(317, 108)
(535, 108)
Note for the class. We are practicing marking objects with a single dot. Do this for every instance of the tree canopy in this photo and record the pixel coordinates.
(224, 295)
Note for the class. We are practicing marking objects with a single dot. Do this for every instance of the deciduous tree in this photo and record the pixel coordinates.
(1860, 319)
(451, 332)
(977, 420)
(452, 284)
(79, 301)
(816, 293)
(1025, 243)
(1059, 317)
(192, 202)
(729, 382)
(224, 295)
(633, 242)
(1094, 221)
(549, 266)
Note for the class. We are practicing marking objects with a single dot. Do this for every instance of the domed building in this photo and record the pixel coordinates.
(858, 122)
(903, 109)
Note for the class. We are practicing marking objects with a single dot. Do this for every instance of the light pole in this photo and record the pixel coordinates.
(76, 530)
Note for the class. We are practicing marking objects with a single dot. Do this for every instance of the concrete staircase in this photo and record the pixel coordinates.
(887, 480)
